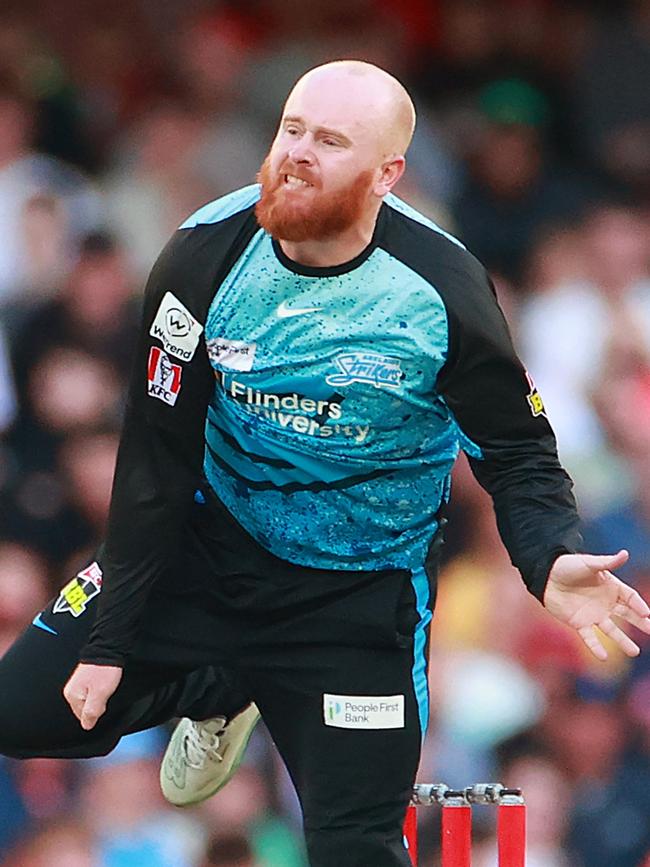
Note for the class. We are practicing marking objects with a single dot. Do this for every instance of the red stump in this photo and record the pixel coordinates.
(511, 835)
(456, 836)
(411, 833)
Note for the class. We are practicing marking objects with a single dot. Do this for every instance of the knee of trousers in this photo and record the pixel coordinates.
(15, 746)
(356, 846)
(12, 732)
(25, 734)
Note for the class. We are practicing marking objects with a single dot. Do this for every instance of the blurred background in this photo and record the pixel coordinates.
(533, 145)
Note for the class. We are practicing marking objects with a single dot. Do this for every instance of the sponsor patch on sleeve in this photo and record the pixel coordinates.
(163, 376)
(534, 398)
(232, 354)
(176, 328)
(76, 594)
(363, 711)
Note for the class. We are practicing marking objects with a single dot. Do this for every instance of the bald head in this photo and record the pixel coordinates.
(363, 94)
(339, 150)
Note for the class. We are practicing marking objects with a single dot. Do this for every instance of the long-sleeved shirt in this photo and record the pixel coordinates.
(324, 406)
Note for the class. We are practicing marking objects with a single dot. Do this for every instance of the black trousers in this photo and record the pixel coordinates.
(335, 660)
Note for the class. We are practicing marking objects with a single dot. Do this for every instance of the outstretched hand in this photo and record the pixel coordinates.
(583, 592)
(89, 689)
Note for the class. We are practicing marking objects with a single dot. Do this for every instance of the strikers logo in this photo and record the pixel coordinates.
(534, 398)
(76, 594)
(368, 367)
(163, 376)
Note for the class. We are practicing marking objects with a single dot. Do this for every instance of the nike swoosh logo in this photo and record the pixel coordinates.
(38, 621)
(283, 311)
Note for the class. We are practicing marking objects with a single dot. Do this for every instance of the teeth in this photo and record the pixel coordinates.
(293, 181)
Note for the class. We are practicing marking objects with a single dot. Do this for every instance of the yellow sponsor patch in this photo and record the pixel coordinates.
(534, 398)
(76, 594)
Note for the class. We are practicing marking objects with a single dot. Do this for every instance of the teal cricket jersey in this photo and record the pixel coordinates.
(324, 406)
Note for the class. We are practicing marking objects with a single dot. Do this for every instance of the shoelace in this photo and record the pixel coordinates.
(202, 744)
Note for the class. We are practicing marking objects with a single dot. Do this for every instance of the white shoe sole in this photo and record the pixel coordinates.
(233, 743)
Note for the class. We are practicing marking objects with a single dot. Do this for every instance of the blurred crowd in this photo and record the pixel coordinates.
(533, 146)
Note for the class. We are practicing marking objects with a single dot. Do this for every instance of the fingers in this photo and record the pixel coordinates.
(93, 708)
(86, 704)
(626, 613)
(588, 635)
(633, 600)
(612, 631)
(629, 647)
(604, 562)
(87, 698)
(76, 698)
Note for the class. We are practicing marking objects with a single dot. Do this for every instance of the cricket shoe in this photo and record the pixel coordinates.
(202, 756)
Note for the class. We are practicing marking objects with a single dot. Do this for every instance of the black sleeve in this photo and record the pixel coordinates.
(497, 406)
(159, 461)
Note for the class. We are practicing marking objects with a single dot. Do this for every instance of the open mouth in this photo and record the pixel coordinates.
(295, 183)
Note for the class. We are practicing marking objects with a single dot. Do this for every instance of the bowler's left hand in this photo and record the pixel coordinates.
(583, 592)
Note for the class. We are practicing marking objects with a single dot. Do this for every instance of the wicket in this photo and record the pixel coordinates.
(456, 807)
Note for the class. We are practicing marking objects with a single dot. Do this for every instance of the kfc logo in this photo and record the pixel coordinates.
(163, 376)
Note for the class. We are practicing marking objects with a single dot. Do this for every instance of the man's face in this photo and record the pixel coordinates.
(318, 178)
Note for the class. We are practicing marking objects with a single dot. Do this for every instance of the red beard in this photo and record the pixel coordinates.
(286, 218)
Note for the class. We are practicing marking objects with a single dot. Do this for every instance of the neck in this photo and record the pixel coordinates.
(335, 250)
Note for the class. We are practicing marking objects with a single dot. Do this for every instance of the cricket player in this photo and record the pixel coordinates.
(313, 356)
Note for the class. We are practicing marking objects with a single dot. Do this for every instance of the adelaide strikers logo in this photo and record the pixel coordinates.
(382, 371)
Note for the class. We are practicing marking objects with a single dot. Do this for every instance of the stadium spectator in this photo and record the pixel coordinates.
(156, 179)
(245, 809)
(64, 842)
(611, 102)
(600, 305)
(229, 849)
(25, 175)
(96, 311)
(513, 187)
(24, 589)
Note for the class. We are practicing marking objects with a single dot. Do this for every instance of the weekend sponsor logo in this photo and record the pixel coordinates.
(176, 328)
(363, 711)
(534, 398)
(75, 596)
(163, 376)
(382, 371)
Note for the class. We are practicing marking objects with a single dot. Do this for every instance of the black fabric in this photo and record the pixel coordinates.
(489, 392)
(238, 624)
(483, 383)
(161, 451)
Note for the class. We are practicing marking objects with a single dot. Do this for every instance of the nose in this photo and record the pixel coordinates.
(301, 150)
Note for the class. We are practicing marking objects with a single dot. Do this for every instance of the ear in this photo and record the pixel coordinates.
(391, 171)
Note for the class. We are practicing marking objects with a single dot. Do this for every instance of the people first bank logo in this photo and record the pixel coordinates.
(363, 711)
(382, 371)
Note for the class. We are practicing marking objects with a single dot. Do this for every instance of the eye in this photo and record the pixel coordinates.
(291, 130)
